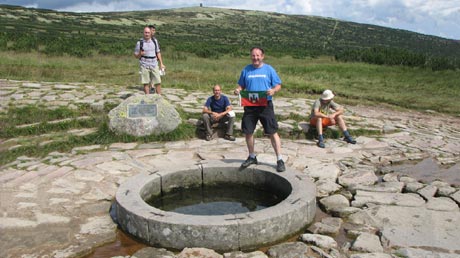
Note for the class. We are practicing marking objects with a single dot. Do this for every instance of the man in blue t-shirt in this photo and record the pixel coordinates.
(218, 109)
(260, 77)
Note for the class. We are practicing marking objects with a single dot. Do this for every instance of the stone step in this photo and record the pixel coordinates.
(55, 121)
(45, 139)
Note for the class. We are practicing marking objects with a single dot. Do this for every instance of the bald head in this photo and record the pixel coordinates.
(147, 33)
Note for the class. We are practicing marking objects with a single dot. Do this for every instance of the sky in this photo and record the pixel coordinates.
(433, 17)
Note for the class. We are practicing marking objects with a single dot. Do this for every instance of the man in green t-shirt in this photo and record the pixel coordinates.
(325, 112)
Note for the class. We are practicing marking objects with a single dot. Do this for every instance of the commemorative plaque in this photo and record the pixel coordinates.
(142, 110)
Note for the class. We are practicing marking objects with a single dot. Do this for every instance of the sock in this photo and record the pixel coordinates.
(346, 134)
(252, 155)
(320, 138)
(280, 157)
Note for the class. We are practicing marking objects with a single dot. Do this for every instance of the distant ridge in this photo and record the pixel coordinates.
(217, 30)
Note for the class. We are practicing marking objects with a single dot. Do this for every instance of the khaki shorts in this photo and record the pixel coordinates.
(150, 75)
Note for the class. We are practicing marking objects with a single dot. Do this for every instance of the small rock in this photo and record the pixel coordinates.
(456, 197)
(289, 250)
(371, 255)
(442, 204)
(327, 226)
(407, 179)
(445, 191)
(439, 184)
(344, 212)
(363, 175)
(152, 252)
(417, 253)
(325, 242)
(392, 177)
(367, 243)
(334, 201)
(326, 186)
(322, 171)
(198, 253)
(239, 254)
(387, 187)
(32, 85)
(321, 252)
(413, 187)
(354, 230)
(428, 191)
(387, 129)
(363, 218)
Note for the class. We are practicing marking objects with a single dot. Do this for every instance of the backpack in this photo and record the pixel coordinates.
(141, 44)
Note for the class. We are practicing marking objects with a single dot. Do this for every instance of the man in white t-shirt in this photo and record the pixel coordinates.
(147, 51)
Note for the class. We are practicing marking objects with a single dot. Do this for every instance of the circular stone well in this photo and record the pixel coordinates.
(243, 231)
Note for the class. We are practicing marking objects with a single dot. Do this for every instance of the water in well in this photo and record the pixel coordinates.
(218, 199)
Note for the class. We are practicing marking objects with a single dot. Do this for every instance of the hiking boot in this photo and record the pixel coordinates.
(321, 144)
(349, 139)
(280, 166)
(249, 162)
(208, 137)
(229, 137)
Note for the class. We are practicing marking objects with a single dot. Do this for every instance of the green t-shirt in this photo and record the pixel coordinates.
(323, 108)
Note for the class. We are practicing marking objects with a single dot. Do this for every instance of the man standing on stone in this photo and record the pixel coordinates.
(147, 52)
(153, 30)
(325, 112)
(218, 109)
(257, 84)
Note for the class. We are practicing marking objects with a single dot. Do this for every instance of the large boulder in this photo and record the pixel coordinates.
(142, 115)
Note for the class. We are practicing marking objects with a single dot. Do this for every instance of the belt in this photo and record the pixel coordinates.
(149, 57)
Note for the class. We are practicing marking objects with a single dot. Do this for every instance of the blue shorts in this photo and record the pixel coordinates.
(266, 115)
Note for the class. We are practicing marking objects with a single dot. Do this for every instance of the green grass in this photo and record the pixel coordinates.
(354, 83)
(57, 139)
(56, 133)
(413, 88)
(39, 67)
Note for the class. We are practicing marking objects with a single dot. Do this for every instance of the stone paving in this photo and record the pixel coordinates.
(57, 206)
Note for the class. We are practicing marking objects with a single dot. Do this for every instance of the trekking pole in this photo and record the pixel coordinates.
(239, 99)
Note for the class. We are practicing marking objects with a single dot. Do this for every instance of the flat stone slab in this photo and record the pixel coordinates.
(418, 227)
(363, 198)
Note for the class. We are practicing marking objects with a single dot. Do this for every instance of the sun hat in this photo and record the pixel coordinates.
(327, 95)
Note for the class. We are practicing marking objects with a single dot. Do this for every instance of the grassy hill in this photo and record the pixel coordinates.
(205, 32)
(204, 46)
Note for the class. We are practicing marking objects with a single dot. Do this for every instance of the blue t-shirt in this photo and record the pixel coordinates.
(218, 105)
(259, 79)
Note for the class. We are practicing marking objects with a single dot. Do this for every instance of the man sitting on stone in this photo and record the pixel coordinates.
(218, 109)
(325, 112)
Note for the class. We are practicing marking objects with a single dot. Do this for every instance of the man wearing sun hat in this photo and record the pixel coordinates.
(325, 112)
